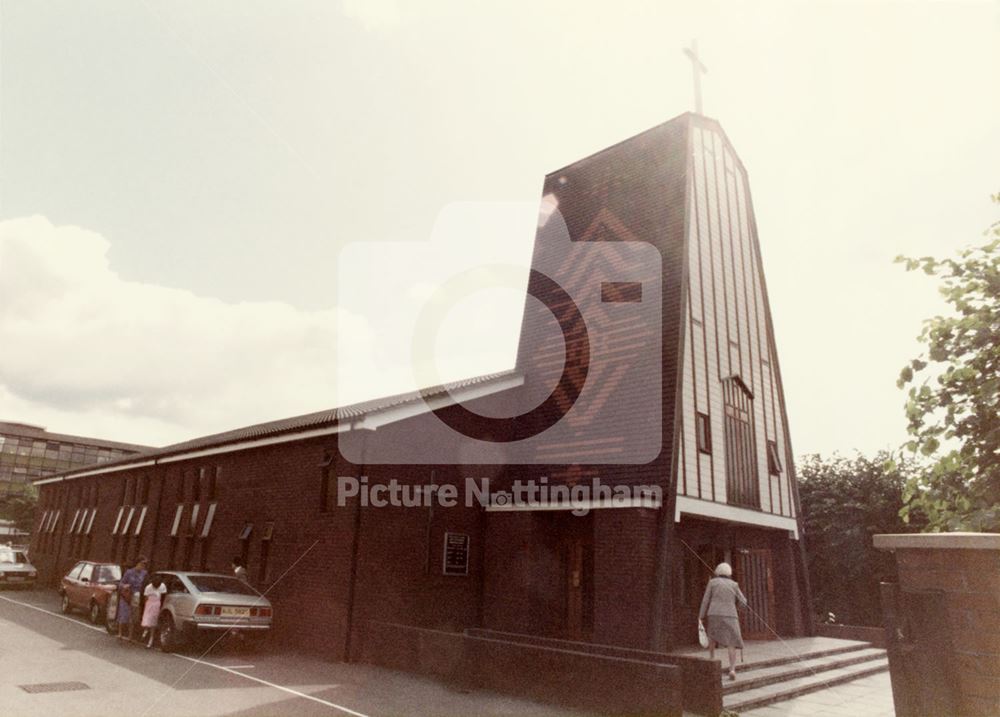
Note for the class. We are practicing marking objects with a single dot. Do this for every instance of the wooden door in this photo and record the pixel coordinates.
(754, 573)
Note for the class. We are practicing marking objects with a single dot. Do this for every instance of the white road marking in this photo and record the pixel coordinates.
(271, 684)
(231, 670)
(53, 614)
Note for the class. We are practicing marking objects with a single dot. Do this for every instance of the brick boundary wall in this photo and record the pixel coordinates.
(701, 688)
(955, 579)
(593, 682)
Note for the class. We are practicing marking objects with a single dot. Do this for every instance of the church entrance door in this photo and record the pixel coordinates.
(753, 570)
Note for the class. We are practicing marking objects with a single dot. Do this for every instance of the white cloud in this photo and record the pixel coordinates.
(84, 351)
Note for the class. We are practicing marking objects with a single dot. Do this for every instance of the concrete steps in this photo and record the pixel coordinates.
(774, 680)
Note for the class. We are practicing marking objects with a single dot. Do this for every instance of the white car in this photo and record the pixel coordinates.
(15, 569)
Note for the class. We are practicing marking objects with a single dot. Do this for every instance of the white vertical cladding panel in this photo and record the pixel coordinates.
(742, 297)
(687, 477)
(757, 336)
(779, 439)
(717, 263)
(732, 338)
(697, 309)
(715, 483)
(710, 268)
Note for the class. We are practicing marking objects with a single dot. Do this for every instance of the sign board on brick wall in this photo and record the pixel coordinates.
(456, 554)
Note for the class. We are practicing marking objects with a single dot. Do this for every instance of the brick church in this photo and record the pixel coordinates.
(647, 358)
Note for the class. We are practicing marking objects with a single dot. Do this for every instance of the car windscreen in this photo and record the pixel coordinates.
(108, 574)
(220, 584)
(12, 556)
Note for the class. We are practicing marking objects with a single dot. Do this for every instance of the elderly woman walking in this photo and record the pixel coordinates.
(719, 606)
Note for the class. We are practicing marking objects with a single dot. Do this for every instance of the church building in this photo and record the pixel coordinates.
(647, 361)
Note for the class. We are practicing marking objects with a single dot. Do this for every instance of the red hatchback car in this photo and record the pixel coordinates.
(87, 587)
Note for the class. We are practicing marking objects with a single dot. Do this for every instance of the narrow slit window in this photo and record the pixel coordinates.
(90, 522)
(209, 517)
(72, 525)
(193, 527)
(177, 521)
(704, 429)
(128, 520)
(773, 459)
(83, 521)
(142, 519)
(118, 520)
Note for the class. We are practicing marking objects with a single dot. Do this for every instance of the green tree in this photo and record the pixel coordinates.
(953, 400)
(844, 503)
(21, 509)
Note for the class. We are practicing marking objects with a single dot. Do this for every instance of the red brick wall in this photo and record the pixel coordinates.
(970, 581)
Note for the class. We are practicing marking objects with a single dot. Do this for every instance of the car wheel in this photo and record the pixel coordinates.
(65, 603)
(95, 613)
(168, 635)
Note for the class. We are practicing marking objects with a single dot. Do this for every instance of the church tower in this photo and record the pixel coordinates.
(684, 393)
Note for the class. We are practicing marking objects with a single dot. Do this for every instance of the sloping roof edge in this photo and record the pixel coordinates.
(332, 420)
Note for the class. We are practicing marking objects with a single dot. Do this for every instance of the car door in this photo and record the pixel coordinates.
(71, 583)
(81, 592)
(178, 599)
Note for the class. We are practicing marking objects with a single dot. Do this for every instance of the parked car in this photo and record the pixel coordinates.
(87, 587)
(15, 569)
(205, 604)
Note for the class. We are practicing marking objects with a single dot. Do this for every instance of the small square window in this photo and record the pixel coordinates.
(703, 427)
(773, 460)
(245, 533)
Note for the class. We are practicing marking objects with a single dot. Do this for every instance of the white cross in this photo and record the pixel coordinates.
(697, 69)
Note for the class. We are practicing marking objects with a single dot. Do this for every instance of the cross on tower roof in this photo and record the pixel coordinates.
(697, 69)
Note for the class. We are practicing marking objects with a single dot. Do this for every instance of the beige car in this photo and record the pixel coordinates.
(205, 604)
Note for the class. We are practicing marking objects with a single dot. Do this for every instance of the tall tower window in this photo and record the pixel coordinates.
(741, 456)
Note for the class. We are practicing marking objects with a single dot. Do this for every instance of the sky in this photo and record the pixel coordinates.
(219, 213)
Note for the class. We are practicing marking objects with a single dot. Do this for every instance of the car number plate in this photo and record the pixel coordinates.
(235, 612)
(15, 577)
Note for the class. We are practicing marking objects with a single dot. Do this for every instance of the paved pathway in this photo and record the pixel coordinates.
(39, 645)
(867, 697)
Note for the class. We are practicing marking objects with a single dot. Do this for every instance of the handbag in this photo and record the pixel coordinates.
(702, 634)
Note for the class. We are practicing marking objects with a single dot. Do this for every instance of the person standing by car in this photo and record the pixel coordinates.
(151, 613)
(129, 588)
(240, 570)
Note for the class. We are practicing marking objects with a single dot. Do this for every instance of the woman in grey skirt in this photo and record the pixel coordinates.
(719, 607)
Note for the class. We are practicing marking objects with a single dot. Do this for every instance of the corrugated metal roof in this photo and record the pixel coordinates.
(295, 424)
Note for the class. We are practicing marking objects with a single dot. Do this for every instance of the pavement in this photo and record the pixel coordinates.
(43, 647)
(867, 697)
